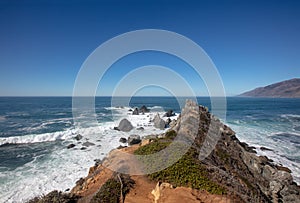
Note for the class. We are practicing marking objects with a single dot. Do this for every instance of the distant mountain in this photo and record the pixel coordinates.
(285, 89)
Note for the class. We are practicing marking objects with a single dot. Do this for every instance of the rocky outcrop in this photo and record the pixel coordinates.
(158, 122)
(169, 113)
(134, 139)
(125, 125)
(135, 111)
(234, 164)
(144, 109)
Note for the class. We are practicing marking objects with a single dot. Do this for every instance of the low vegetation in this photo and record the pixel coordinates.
(114, 189)
(55, 197)
(187, 171)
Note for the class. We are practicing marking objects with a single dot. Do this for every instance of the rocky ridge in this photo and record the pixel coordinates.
(234, 164)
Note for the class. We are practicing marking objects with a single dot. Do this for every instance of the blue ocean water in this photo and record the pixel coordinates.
(35, 133)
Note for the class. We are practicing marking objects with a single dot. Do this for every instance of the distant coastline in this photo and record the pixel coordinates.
(284, 89)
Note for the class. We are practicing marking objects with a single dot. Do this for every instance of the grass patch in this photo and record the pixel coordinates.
(187, 171)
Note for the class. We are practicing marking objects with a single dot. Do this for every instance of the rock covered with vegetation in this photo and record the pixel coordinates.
(232, 164)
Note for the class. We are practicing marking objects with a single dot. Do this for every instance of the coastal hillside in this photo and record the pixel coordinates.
(285, 89)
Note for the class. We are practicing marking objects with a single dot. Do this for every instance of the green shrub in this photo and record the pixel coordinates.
(110, 192)
(187, 171)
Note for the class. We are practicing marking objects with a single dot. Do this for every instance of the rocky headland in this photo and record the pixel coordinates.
(216, 167)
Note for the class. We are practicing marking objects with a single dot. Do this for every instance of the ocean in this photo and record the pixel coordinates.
(35, 133)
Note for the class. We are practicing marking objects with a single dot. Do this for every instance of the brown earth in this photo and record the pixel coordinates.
(142, 190)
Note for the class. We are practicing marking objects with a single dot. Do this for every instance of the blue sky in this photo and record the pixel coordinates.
(44, 43)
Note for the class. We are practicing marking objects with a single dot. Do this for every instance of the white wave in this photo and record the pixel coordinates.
(117, 108)
(35, 138)
(65, 166)
(2, 118)
(281, 133)
(290, 116)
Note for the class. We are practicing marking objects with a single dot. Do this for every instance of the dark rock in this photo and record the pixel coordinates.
(98, 162)
(87, 144)
(282, 168)
(264, 160)
(168, 121)
(265, 149)
(123, 140)
(158, 122)
(130, 110)
(80, 181)
(116, 128)
(169, 113)
(140, 128)
(121, 147)
(125, 125)
(135, 112)
(83, 148)
(144, 109)
(78, 137)
(247, 147)
(71, 146)
(134, 139)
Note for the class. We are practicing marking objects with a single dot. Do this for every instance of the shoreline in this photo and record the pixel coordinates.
(242, 158)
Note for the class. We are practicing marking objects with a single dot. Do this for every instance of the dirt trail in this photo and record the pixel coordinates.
(142, 191)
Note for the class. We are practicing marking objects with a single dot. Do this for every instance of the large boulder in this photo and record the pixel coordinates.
(134, 139)
(159, 123)
(125, 125)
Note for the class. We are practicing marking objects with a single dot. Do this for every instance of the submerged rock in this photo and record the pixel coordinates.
(140, 128)
(265, 149)
(78, 137)
(123, 140)
(88, 144)
(125, 125)
(116, 128)
(71, 146)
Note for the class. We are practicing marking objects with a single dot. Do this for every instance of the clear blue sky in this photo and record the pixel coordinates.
(44, 43)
